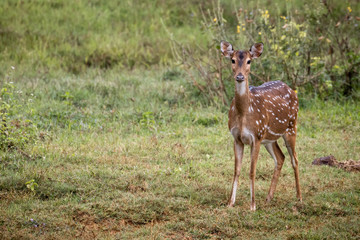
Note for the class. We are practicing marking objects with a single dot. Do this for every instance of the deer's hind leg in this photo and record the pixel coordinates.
(278, 156)
(290, 141)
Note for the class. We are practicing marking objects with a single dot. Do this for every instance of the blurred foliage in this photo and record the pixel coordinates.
(76, 35)
(314, 49)
(311, 45)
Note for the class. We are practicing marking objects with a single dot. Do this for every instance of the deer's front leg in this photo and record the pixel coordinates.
(255, 148)
(239, 151)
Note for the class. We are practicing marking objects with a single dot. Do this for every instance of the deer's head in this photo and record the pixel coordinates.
(241, 60)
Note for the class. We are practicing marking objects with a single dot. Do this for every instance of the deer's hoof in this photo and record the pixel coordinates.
(253, 207)
(229, 205)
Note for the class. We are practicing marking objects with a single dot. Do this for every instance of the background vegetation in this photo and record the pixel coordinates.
(114, 124)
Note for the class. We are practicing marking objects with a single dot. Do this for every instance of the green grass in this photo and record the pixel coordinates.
(50, 37)
(41, 37)
(137, 155)
(107, 138)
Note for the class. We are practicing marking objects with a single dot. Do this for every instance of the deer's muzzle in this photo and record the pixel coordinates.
(240, 77)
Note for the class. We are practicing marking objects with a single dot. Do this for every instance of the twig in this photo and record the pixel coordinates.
(258, 77)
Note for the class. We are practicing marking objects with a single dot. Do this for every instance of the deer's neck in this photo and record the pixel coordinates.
(242, 97)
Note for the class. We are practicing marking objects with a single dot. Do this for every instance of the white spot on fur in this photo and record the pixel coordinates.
(273, 133)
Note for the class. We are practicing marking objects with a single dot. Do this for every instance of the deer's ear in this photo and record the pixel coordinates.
(256, 50)
(226, 49)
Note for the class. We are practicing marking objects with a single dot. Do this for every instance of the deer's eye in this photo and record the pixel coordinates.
(233, 61)
(249, 61)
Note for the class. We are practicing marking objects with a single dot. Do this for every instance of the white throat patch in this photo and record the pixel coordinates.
(240, 87)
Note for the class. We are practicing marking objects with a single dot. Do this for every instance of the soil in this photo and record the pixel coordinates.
(349, 165)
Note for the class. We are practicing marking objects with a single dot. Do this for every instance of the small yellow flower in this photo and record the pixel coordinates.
(215, 19)
(349, 9)
(243, 29)
(238, 29)
(265, 14)
(295, 91)
(259, 33)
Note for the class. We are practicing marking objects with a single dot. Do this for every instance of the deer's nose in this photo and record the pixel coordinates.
(240, 77)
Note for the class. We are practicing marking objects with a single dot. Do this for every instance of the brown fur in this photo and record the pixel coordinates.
(260, 115)
(270, 108)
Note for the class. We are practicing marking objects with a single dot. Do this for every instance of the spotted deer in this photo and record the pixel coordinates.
(260, 115)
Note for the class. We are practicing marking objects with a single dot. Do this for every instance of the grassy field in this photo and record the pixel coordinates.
(103, 134)
(136, 155)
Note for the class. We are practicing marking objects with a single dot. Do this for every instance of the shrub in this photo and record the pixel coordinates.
(314, 51)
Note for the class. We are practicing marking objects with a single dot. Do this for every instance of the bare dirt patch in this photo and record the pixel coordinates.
(90, 226)
(350, 165)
